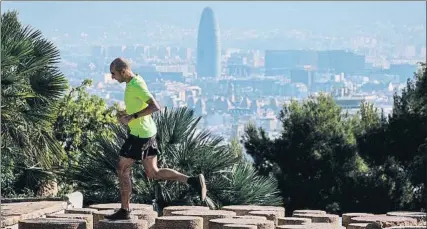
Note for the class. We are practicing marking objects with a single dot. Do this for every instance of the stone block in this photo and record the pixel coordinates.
(116, 206)
(308, 211)
(270, 215)
(86, 217)
(245, 209)
(149, 216)
(357, 225)
(293, 226)
(168, 210)
(88, 211)
(383, 221)
(74, 200)
(206, 215)
(421, 217)
(99, 215)
(179, 222)
(44, 223)
(239, 226)
(321, 218)
(346, 217)
(293, 221)
(261, 224)
(249, 217)
(123, 224)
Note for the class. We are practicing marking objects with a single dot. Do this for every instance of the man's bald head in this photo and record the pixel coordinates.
(119, 64)
(120, 70)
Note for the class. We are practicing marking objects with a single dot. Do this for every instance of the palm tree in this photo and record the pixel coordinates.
(184, 148)
(31, 84)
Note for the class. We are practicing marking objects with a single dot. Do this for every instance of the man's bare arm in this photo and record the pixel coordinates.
(152, 107)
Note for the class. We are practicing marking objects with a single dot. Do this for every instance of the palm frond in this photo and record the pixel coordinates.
(185, 149)
(31, 86)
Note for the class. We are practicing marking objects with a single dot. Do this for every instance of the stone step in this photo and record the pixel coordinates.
(179, 222)
(45, 223)
(293, 221)
(309, 211)
(123, 224)
(116, 206)
(320, 218)
(206, 215)
(249, 217)
(293, 226)
(239, 226)
(383, 221)
(324, 226)
(168, 210)
(261, 224)
(245, 209)
(269, 215)
(147, 215)
(99, 215)
(421, 217)
(406, 227)
(357, 225)
(346, 217)
(80, 211)
(86, 217)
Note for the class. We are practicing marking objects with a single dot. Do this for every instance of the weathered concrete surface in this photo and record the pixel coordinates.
(293, 221)
(74, 200)
(239, 226)
(261, 224)
(357, 225)
(245, 209)
(88, 218)
(196, 217)
(346, 217)
(421, 217)
(321, 218)
(12, 213)
(116, 206)
(383, 221)
(167, 211)
(270, 215)
(123, 224)
(179, 222)
(249, 217)
(146, 215)
(294, 226)
(206, 215)
(309, 211)
(99, 215)
(80, 211)
(43, 223)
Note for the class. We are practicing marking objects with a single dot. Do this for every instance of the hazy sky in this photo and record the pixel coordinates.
(309, 15)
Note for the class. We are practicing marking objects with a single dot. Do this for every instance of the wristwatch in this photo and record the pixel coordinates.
(135, 116)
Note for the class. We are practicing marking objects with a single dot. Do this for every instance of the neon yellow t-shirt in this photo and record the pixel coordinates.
(136, 97)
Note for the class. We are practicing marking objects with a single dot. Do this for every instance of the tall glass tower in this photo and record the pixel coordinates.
(208, 46)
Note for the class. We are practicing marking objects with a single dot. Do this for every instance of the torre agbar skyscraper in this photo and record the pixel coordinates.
(208, 46)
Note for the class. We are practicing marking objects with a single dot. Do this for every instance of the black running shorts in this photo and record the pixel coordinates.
(139, 148)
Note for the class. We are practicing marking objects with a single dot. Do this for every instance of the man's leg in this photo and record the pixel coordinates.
(153, 172)
(126, 160)
(125, 165)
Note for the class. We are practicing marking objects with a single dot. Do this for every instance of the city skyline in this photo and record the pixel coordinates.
(363, 60)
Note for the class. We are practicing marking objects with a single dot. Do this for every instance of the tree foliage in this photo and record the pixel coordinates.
(326, 159)
(31, 86)
(81, 118)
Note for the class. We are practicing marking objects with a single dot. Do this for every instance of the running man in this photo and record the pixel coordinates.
(141, 143)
